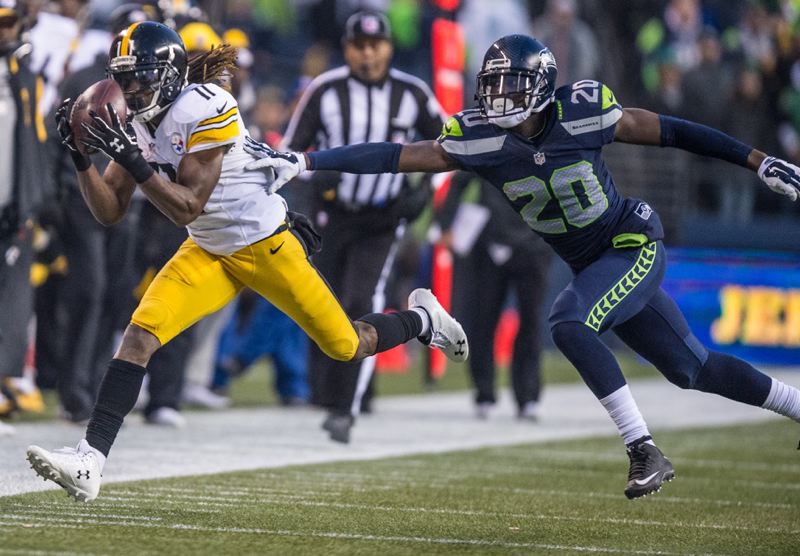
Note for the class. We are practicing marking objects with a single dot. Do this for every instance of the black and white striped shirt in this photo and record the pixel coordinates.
(337, 109)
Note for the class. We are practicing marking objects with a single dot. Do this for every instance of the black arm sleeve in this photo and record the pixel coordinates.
(703, 140)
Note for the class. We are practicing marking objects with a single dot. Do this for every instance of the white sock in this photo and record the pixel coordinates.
(623, 411)
(426, 319)
(84, 447)
(783, 399)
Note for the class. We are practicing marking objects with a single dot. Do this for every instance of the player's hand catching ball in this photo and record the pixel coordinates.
(780, 176)
(286, 165)
(81, 161)
(118, 143)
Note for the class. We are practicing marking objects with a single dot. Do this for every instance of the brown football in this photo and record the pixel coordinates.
(94, 99)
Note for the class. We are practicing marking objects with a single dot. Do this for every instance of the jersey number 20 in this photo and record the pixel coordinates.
(579, 208)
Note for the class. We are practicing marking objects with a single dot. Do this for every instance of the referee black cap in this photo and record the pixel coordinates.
(367, 25)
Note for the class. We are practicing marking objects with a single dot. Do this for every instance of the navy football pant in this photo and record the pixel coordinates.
(621, 291)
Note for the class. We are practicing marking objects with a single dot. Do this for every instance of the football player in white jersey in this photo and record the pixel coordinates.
(184, 151)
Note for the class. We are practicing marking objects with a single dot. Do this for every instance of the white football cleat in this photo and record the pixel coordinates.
(445, 334)
(76, 470)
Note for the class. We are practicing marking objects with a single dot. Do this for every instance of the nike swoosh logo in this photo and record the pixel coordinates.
(221, 110)
(278, 248)
(447, 128)
(642, 482)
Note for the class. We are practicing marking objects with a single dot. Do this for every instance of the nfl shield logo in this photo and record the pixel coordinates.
(538, 158)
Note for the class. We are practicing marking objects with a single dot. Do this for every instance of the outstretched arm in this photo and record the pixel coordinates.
(364, 158)
(643, 127)
(381, 158)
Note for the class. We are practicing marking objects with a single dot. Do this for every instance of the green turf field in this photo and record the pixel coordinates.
(737, 492)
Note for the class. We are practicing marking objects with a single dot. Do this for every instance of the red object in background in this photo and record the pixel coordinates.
(442, 287)
(447, 45)
(449, 5)
(273, 138)
(394, 360)
(504, 337)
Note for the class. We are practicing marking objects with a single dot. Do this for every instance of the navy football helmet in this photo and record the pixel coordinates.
(149, 62)
(518, 78)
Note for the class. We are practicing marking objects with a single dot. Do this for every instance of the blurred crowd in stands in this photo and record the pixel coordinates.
(730, 64)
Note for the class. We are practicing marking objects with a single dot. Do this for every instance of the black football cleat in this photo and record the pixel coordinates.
(338, 426)
(649, 469)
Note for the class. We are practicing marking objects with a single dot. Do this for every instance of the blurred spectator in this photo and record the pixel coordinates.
(571, 41)
(746, 119)
(497, 255)
(684, 21)
(707, 92)
(53, 35)
(363, 218)
(667, 98)
(24, 184)
(707, 86)
(258, 330)
(756, 33)
(676, 32)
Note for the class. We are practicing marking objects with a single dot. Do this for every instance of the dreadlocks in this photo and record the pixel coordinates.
(212, 66)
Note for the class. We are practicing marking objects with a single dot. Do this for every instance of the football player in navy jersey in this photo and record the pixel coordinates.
(542, 148)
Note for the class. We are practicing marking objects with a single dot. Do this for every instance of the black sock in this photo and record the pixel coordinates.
(395, 328)
(118, 393)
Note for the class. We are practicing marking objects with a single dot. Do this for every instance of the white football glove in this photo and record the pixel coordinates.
(780, 176)
(286, 165)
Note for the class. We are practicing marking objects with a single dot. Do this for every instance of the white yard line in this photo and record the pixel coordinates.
(77, 523)
(67, 512)
(234, 440)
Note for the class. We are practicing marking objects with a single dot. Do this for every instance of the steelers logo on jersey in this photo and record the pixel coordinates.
(177, 143)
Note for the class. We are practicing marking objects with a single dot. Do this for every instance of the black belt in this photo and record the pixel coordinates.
(280, 229)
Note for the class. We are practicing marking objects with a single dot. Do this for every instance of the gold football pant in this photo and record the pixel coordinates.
(195, 283)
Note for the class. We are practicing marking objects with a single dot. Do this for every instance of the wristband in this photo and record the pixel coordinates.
(80, 161)
(139, 169)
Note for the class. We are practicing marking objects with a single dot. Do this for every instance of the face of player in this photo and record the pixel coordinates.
(368, 58)
(9, 32)
(138, 87)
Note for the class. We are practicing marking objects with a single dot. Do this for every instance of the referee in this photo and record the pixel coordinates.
(362, 218)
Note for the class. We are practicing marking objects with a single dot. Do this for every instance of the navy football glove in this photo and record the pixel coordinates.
(80, 160)
(118, 143)
(780, 176)
(286, 165)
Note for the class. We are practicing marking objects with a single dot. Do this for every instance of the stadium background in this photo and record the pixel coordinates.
(734, 267)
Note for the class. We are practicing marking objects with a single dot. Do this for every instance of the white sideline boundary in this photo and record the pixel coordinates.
(243, 439)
